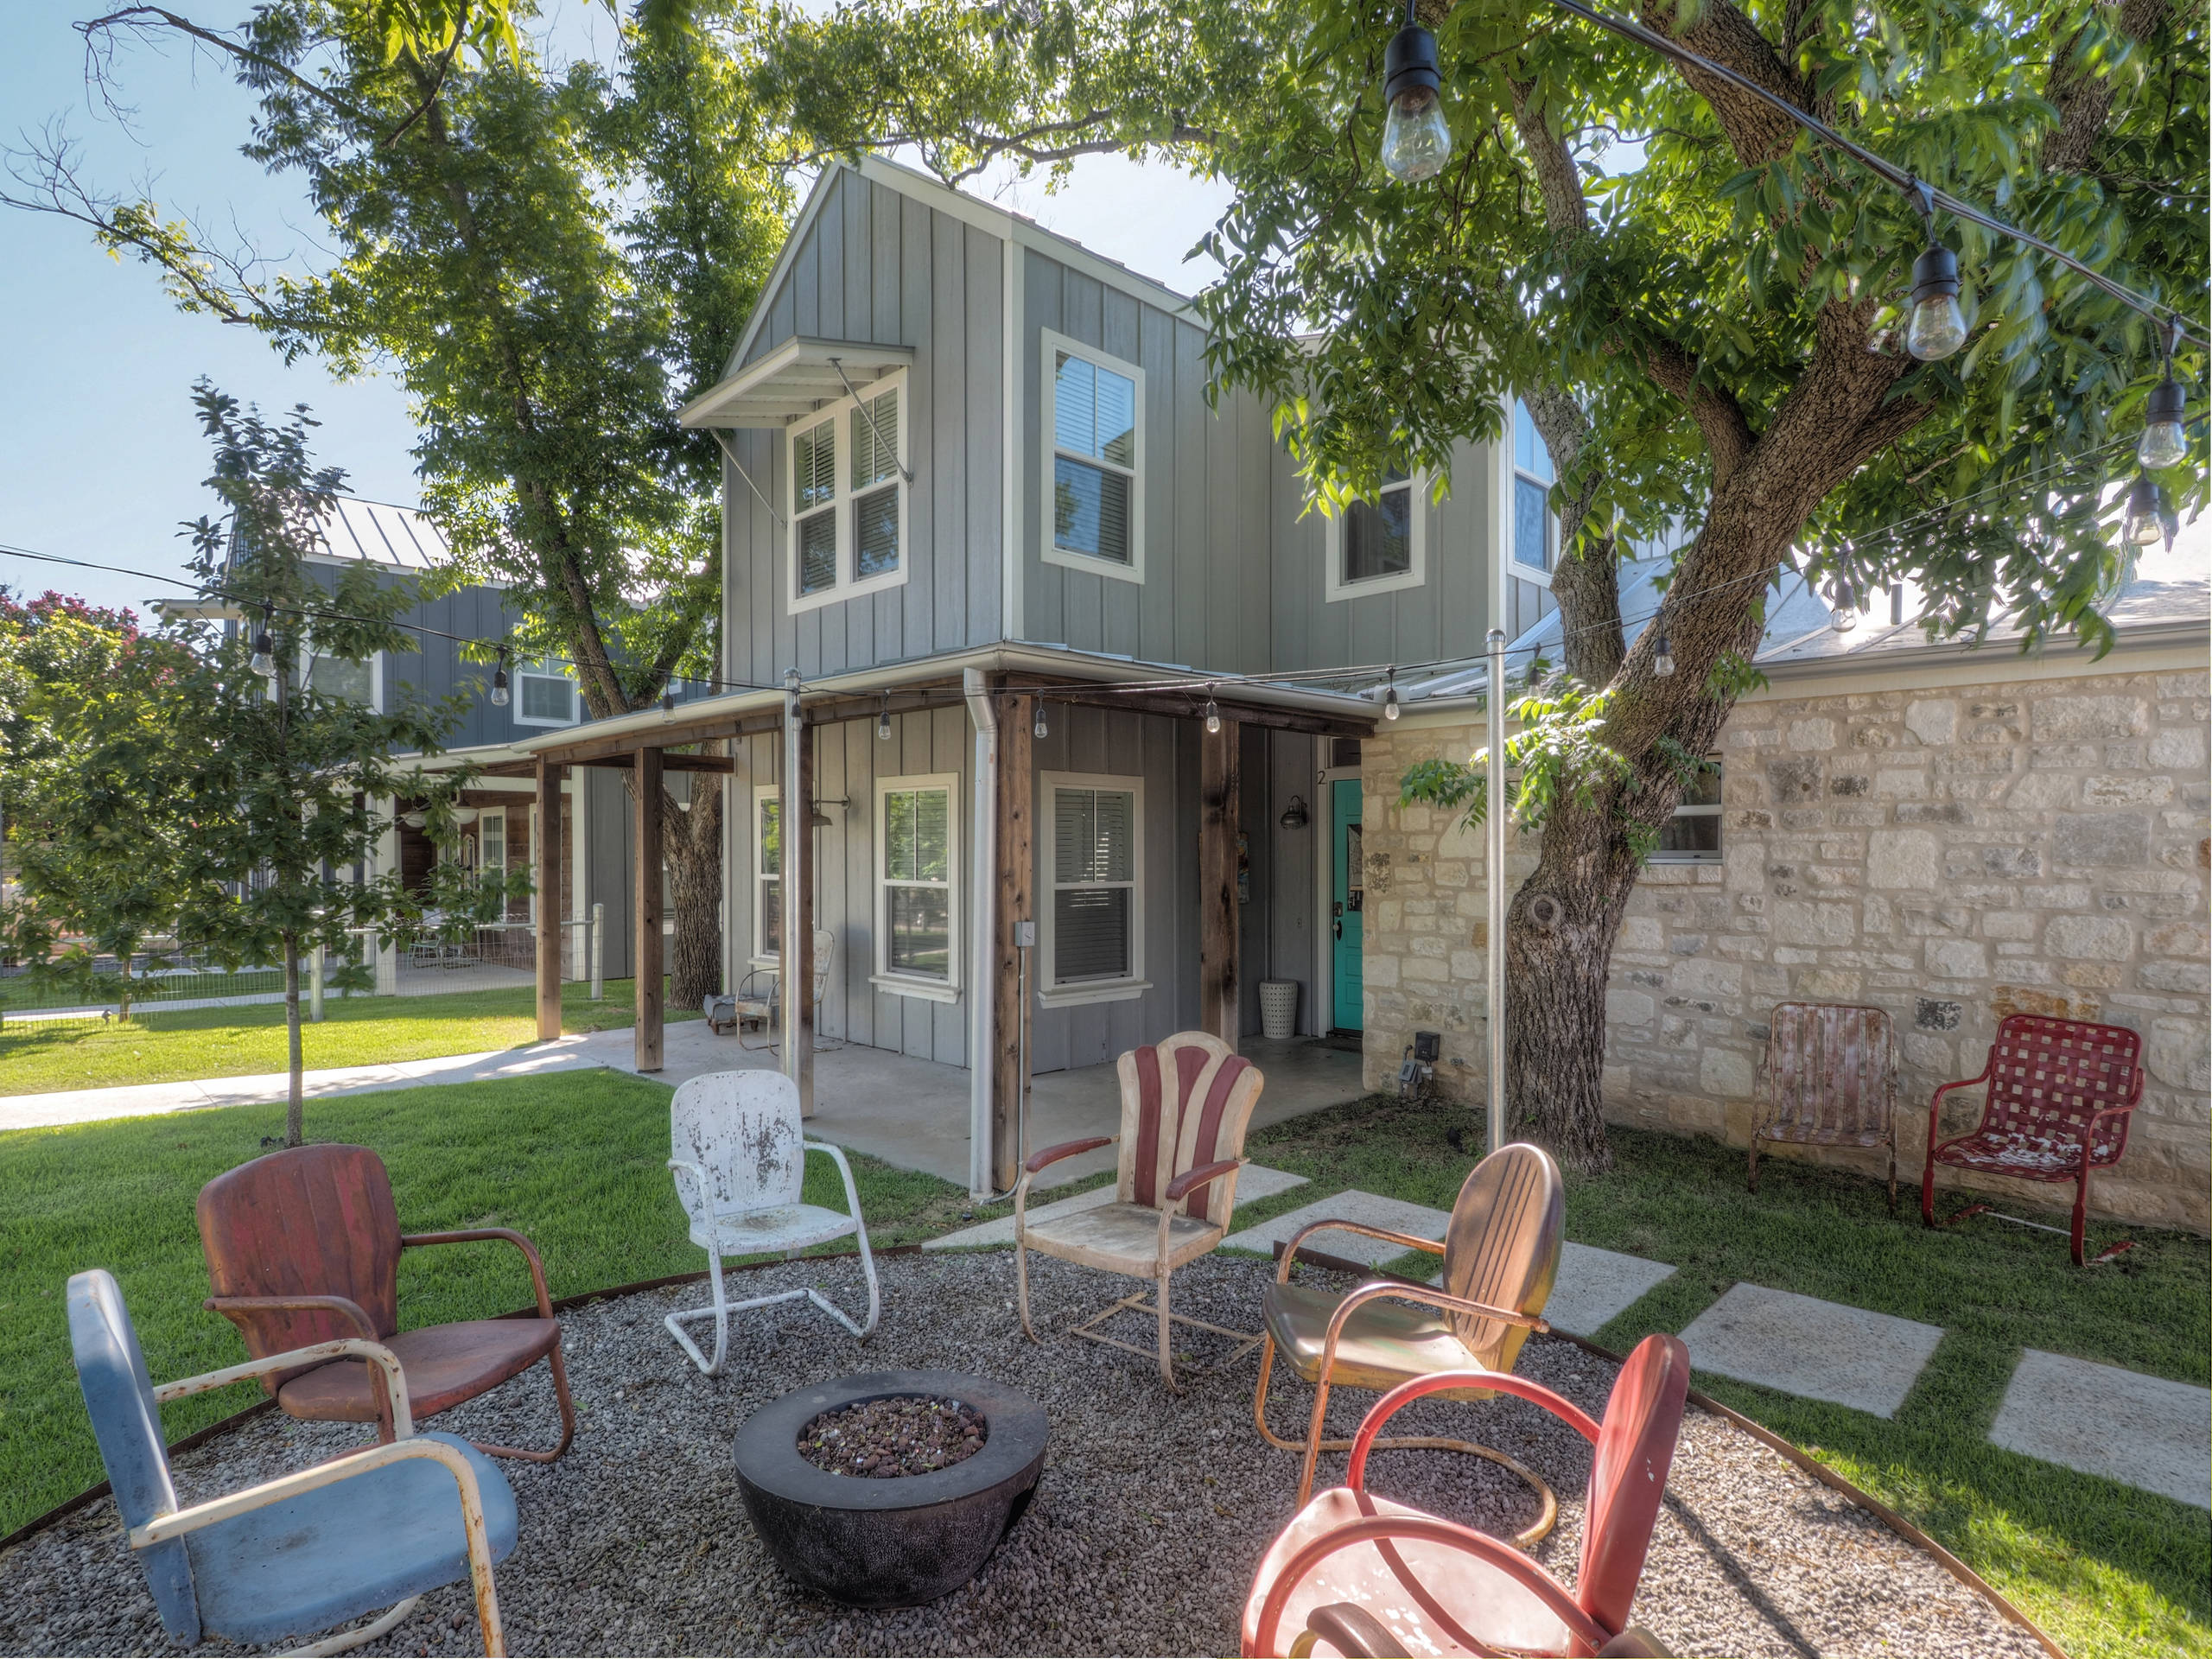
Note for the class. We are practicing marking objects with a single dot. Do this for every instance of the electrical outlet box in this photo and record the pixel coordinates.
(1025, 935)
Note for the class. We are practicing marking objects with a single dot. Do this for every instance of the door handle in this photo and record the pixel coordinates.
(1338, 926)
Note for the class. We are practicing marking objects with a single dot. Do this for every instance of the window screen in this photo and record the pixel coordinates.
(1094, 879)
(1094, 470)
(876, 487)
(548, 699)
(335, 676)
(814, 502)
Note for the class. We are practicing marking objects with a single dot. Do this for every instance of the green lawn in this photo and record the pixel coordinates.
(577, 1161)
(241, 1042)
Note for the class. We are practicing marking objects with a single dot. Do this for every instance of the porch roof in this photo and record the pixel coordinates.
(795, 379)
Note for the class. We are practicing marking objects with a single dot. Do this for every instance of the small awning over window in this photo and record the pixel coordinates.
(795, 379)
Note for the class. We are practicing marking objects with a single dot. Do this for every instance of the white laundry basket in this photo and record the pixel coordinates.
(1279, 1008)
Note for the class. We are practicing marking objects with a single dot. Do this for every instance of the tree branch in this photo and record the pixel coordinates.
(2082, 96)
(1758, 130)
(154, 17)
(1727, 435)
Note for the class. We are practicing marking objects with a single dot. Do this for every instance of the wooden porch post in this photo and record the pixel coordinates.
(796, 949)
(1219, 999)
(547, 877)
(646, 909)
(1010, 1063)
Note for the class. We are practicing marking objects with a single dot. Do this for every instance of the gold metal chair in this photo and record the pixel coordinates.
(1501, 1253)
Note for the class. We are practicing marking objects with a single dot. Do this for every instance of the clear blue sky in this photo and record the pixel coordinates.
(100, 458)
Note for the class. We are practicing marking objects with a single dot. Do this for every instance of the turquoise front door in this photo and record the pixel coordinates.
(1347, 887)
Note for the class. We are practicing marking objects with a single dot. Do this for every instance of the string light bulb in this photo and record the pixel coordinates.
(1213, 716)
(1416, 138)
(1662, 659)
(2146, 520)
(1041, 729)
(2165, 443)
(1390, 697)
(1843, 613)
(264, 651)
(1938, 326)
(500, 695)
(883, 720)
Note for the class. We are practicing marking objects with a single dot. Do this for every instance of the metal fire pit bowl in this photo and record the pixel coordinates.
(901, 1541)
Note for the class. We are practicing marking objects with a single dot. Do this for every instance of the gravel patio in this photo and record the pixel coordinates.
(1153, 1511)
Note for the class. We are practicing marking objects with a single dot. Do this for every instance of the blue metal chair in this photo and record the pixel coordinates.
(306, 1551)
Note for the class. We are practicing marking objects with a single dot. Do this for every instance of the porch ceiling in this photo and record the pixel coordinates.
(795, 379)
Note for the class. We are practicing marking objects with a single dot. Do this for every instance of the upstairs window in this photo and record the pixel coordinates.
(1536, 537)
(1693, 835)
(544, 696)
(343, 676)
(1094, 501)
(1376, 547)
(848, 497)
(1093, 866)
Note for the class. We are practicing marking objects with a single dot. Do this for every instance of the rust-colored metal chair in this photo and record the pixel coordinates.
(1364, 1574)
(2059, 1096)
(1501, 1254)
(303, 1248)
(1830, 1080)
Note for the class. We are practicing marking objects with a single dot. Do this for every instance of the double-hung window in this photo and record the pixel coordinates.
(1094, 498)
(1378, 546)
(917, 889)
(1693, 835)
(1094, 870)
(544, 696)
(849, 497)
(354, 680)
(1535, 535)
(767, 872)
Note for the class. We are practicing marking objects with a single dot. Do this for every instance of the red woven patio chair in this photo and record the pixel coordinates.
(303, 1248)
(1830, 1080)
(1365, 1575)
(2060, 1093)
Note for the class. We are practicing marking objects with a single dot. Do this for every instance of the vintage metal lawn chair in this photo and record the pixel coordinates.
(1371, 1577)
(1830, 1080)
(302, 1247)
(739, 1154)
(1185, 1103)
(1501, 1254)
(305, 1552)
(758, 1006)
(2059, 1096)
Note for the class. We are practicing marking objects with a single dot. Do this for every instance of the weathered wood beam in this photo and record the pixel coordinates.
(547, 880)
(1220, 1011)
(1017, 818)
(646, 797)
(1177, 706)
(668, 762)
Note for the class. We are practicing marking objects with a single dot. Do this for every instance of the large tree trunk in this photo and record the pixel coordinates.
(692, 846)
(294, 1110)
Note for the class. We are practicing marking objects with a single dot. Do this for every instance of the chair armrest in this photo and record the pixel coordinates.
(1381, 1528)
(1052, 1155)
(472, 1235)
(1369, 1293)
(837, 1155)
(1282, 1269)
(1497, 1382)
(395, 1379)
(231, 1307)
(682, 1167)
(1936, 1100)
(1191, 1179)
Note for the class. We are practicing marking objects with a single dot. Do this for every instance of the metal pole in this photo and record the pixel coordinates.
(598, 954)
(1495, 823)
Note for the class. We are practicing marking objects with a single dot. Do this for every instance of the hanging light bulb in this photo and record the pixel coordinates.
(2165, 443)
(264, 651)
(1213, 716)
(1662, 659)
(1390, 697)
(1416, 138)
(500, 695)
(883, 720)
(1843, 614)
(1040, 728)
(1938, 328)
(2146, 519)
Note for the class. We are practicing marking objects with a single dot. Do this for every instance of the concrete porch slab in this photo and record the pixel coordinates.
(1372, 1208)
(1256, 1182)
(2143, 1431)
(1803, 1345)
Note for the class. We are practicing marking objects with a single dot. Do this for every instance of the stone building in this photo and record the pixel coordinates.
(1952, 835)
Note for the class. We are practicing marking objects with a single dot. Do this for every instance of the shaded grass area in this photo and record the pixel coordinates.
(243, 1042)
(2105, 1568)
(575, 1161)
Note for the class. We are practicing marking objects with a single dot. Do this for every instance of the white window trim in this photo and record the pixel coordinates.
(847, 585)
(540, 671)
(884, 977)
(1050, 995)
(1712, 811)
(766, 951)
(306, 674)
(1048, 450)
(1337, 589)
(1514, 567)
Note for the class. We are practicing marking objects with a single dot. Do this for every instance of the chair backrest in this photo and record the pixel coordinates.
(825, 954)
(1628, 1475)
(1830, 1066)
(1501, 1247)
(1185, 1101)
(308, 1221)
(742, 1128)
(127, 1423)
(2050, 1077)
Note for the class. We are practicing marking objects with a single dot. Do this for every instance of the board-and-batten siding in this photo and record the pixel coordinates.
(1445, 618)
(1206, 490)
(877, 266)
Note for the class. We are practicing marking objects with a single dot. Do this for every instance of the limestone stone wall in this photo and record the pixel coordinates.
(1951, 853)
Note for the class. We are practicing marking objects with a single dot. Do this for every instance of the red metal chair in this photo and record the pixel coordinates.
(2059, 1092)
(1435, 1587)
(303, 1248)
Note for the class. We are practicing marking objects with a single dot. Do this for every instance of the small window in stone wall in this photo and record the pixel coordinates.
(1693, 835)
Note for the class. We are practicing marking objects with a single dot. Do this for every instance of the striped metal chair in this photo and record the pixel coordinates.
(1185, 1106)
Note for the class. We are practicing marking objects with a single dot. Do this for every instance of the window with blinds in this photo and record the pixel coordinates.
(1379, 538)
(1094, 868)
(1097, 454)
(767, 871)
(814, 506)
(875, 486)
(848, 506)
(916, 904)
(544, 696)
(1533, 476)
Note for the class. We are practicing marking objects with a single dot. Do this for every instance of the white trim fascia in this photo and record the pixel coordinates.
(1050, 341)
(1012, 598)
(847, 585)
(1335, 590)
(1090, 990)
(884, 977)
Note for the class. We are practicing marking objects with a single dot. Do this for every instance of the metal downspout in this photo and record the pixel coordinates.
(982, 1034)
(1495, 858)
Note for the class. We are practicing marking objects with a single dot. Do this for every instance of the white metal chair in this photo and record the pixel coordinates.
(758, 1001)
(740, 1159)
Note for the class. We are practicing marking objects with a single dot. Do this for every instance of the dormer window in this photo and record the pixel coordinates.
(849, 497)
(1094, 497)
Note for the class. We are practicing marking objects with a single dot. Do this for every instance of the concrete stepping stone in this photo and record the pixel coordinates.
(1801, 1346)
(1593, 1285)
(2144, 1431)
(1256, 1182)
(1372, 1208)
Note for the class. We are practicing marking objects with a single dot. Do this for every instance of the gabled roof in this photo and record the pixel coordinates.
(403, 538)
